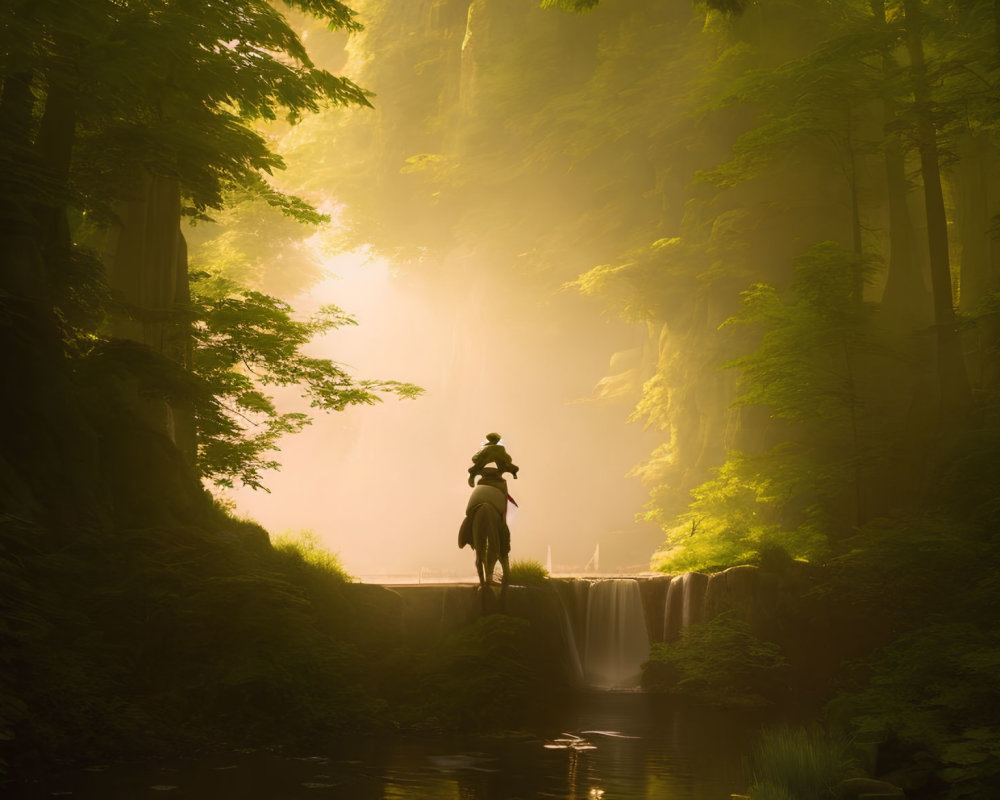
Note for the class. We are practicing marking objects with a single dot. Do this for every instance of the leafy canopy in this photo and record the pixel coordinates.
(802, 376)
(244, 341)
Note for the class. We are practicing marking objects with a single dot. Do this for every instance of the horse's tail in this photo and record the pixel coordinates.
(486, 522)
(465, 533)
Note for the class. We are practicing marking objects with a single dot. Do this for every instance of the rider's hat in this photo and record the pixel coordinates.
(492, 438)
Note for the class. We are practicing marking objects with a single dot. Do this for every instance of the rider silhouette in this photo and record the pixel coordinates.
(492, 452)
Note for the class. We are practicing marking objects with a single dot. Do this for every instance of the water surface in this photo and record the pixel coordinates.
(607, 746)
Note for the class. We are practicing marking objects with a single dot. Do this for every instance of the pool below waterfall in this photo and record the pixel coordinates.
(605, 745)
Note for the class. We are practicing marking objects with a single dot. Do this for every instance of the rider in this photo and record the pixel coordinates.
(492, 452)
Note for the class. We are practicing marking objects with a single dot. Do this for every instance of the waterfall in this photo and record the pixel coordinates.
(615, 639)
(673, 610)
(571, 638)
(693, 585)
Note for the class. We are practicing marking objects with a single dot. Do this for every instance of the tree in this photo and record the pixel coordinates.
(246, 340)
(120, 119)
(953, 381)
(802, 482)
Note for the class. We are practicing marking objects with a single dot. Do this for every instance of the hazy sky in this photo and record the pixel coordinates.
(386, 486)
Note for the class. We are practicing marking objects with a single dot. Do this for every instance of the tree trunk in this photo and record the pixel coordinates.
(952, 376)
(974, 211)
(54, 150)
(48, 451)
(905, 297)
(148, 276)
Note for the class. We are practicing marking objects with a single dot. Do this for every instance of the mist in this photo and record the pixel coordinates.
(385, 486)
(454, 241)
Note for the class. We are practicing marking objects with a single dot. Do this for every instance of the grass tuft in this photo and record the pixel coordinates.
(528, 573)
(799, 764)
(305, 546)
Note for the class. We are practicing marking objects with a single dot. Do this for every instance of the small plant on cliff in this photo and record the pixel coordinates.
(304, 546)
(719, 661)
(528, 573)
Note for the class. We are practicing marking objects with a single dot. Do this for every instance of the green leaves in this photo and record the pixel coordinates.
(818, 100)
(719, 661)
(245, 341)
(936, 689)
(802, 369)
(649, 284)
(790, 491)
(175, 88)
(778, 499)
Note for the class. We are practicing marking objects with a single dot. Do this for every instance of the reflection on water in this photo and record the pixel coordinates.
(621, 746)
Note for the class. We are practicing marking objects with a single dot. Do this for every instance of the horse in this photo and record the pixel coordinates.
(487, 534)
(486, 530)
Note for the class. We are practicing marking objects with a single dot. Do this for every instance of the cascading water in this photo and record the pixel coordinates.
(673, 611)
(694, 586)
(615, 643)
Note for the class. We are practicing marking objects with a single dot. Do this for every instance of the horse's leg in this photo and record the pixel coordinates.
(493, 545)
(479, 541)
(505, 566)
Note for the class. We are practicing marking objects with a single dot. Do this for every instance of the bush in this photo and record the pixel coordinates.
(719, 661)
(798, 764)
(129, 641)
(935, 691)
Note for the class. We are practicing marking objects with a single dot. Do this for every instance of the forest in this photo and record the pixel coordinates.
(791, 207)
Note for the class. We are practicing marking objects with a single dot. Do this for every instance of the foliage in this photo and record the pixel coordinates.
(128, 642)
(244, 341)
(803, 376)
(113, 95)
(203, 98)
(123, 642)
(798, 764)
(802, 369)
(935, 690)
(578, 145)
(650, 283)
(153, 87)
(304, 546)
(254, 245)
(892, 564)
(525, 572)
(739, 515)
(484, 677)
(808, 105)
(719, 661)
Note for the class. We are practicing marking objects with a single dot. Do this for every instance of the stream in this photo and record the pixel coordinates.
(608, 746)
